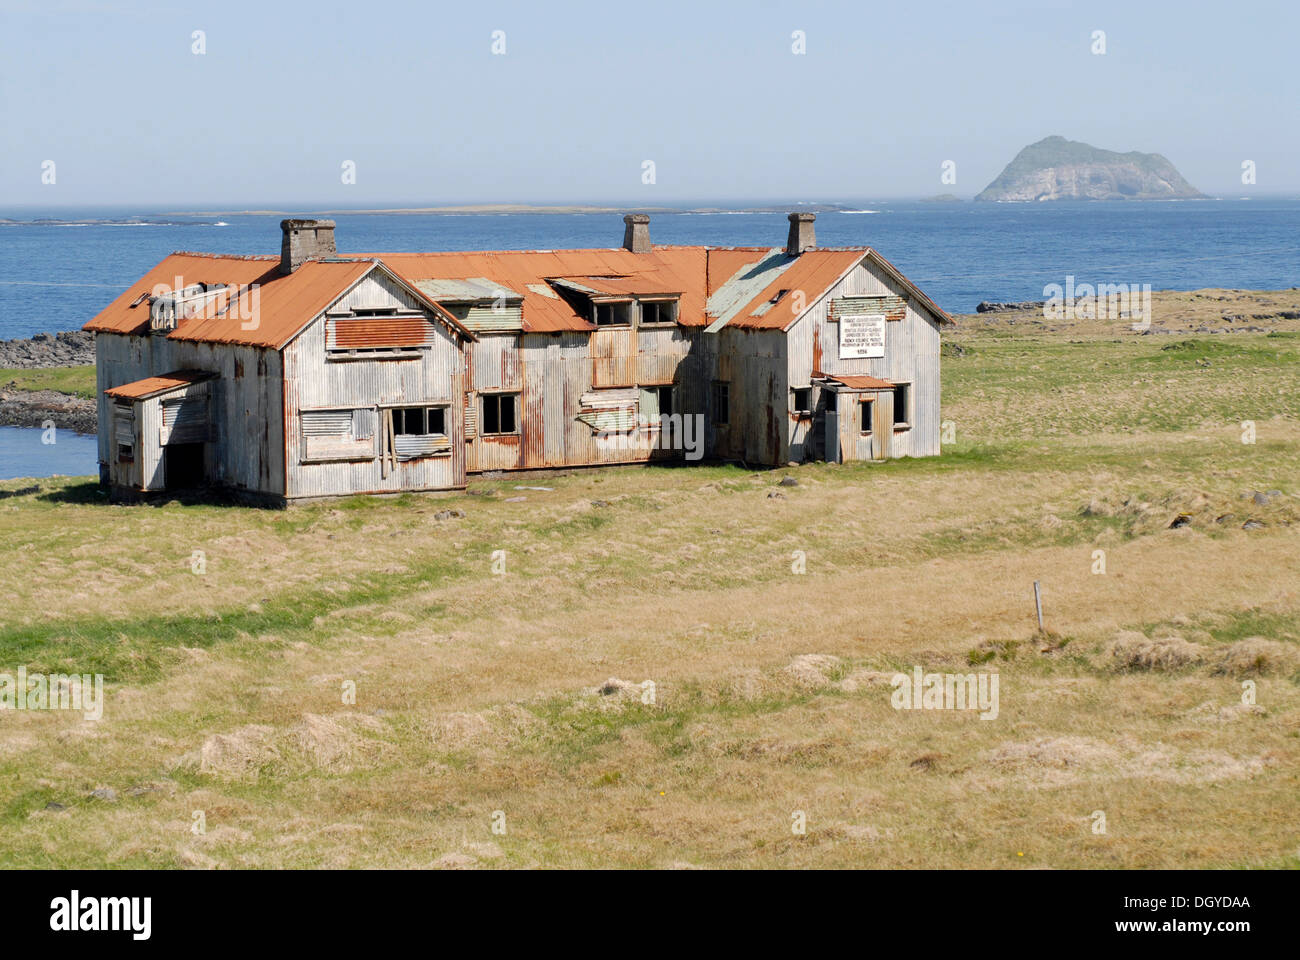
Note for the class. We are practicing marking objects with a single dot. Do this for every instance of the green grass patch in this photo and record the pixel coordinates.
(74, 381)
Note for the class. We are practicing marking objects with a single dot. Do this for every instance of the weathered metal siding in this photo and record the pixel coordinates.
(313, 381)
(552, 372)
(614, 357)
(753, 364)
(374, 292)
(911, 356)
(851, 443)
(246, 451)
(495, 366)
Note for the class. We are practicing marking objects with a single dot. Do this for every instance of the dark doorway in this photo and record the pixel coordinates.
(183, 465)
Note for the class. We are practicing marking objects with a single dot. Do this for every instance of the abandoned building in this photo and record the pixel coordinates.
(320, 374)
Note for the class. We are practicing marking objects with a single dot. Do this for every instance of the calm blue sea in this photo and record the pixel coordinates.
(56, 277)
(23, 453)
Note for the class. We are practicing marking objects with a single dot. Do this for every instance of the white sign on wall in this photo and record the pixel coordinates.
(862, 337)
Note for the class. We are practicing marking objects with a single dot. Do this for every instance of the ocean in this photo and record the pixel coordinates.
(56, 276)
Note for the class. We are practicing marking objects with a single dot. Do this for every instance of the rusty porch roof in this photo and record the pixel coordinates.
(153, 386)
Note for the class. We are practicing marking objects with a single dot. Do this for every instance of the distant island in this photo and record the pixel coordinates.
(1059, 169)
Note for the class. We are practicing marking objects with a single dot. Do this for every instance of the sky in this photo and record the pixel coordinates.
(278, 104)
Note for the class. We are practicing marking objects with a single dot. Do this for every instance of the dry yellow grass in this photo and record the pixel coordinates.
(520, 700)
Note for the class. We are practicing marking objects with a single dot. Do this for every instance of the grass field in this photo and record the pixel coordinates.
(516, 700)
(74, 381)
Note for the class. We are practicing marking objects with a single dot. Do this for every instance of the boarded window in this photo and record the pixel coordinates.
(499, 414)
(891, 307)
(338, 434)
(124, 430)
(185, 420)
(721, 403)
(610, 411)
(378, 335)
(471, 417)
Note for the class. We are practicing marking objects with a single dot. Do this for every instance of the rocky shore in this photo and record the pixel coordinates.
(71, 348)
(35, 408)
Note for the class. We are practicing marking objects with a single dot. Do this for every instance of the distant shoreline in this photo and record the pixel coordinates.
(491, 209)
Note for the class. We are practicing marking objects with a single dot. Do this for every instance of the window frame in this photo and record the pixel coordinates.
(424, 410)
(805, 410)
(496, 398)
(669, 390)
(720, 389)
(624, 305)
(866, 412)
(364, 443)
(657, 304)
(903, 391)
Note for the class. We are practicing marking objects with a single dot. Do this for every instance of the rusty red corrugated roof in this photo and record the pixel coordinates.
(277, 307)
(662, 270)
(812, 273)
(152, 386)
(286, 303)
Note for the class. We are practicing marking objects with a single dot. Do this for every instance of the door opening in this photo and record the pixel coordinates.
(183, 465)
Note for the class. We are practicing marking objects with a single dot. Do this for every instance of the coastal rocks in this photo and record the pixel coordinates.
(20, 408)
(71, 348)
(998, 306)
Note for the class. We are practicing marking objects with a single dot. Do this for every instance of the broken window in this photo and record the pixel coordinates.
(658, 312)
(665, 401)
(656, 402)
(721, 403)
(902, 405)
(802, 401)
(613, 313)
(419, 421)
(499, 413)
(867, 407)
(416, 432)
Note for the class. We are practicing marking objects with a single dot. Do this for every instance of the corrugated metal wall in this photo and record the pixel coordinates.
(551, 372)
(911, 356)
(435, 377)
(246, 407)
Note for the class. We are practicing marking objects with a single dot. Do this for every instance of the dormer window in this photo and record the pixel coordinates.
(612, 313)
(658, 313)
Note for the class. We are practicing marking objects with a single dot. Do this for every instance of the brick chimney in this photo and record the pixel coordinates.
(636, 232)
(802, 236)
(305, 238)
